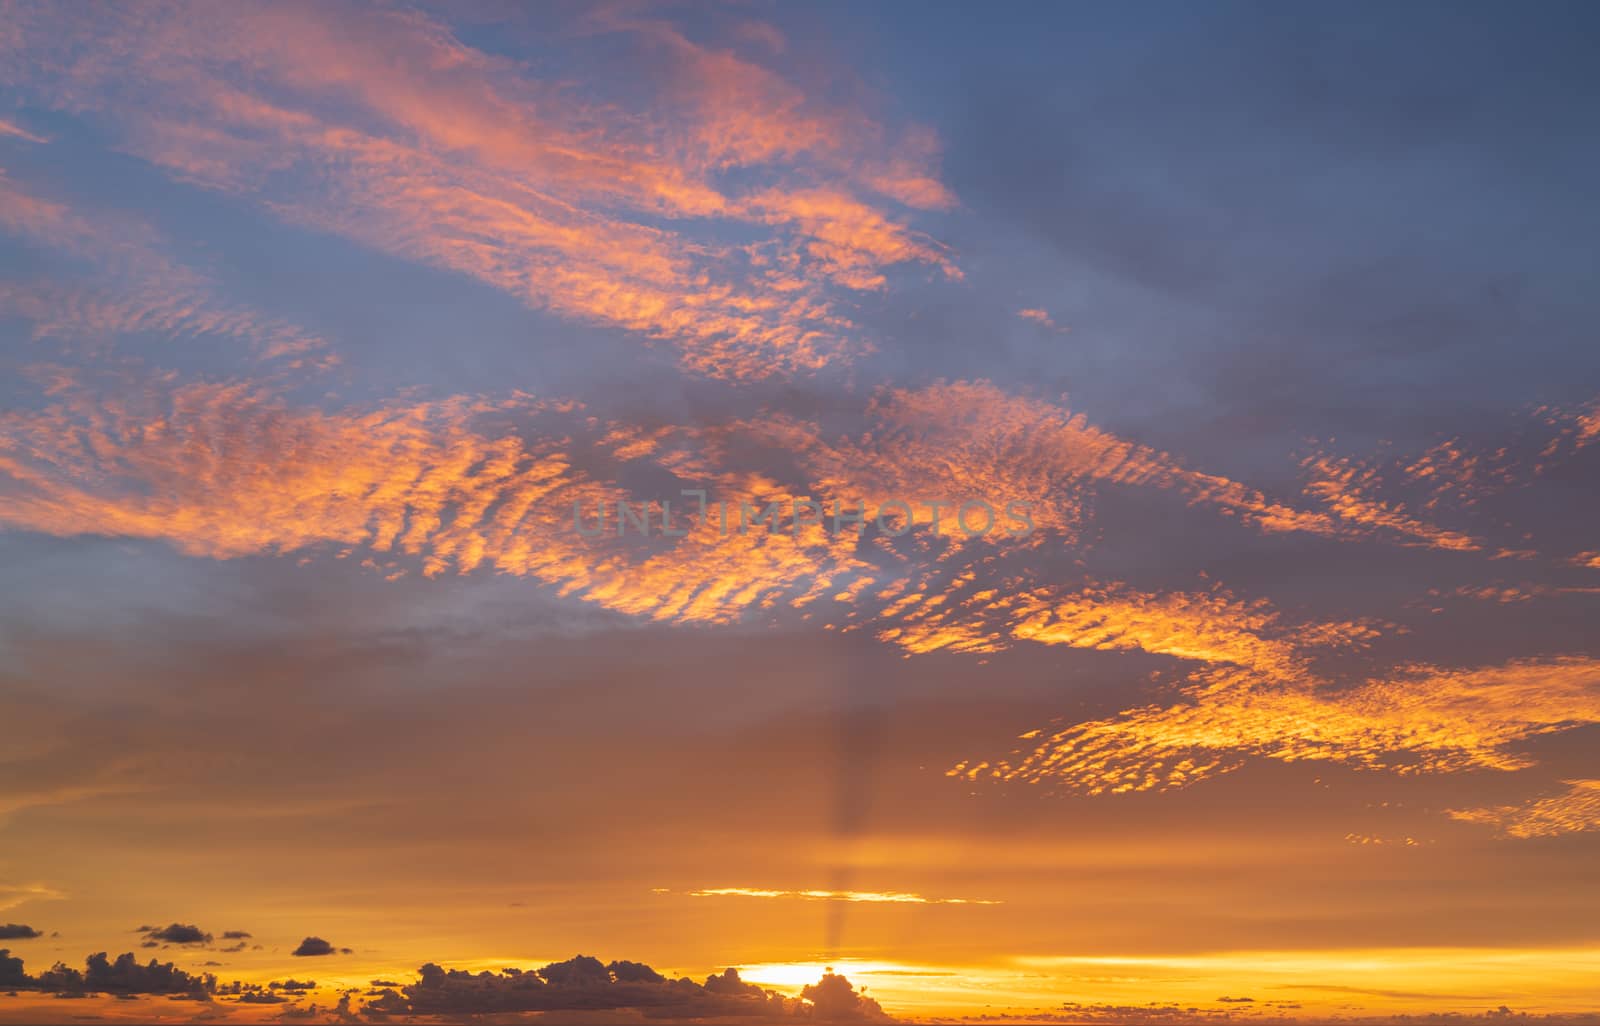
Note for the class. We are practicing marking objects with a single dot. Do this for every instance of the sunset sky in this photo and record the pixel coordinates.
(1266, 332)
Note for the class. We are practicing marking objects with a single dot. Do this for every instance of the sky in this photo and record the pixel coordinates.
(675, 512)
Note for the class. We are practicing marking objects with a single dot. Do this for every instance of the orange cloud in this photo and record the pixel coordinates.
(225, 470)
(1419, 719)
(1574, 429)
(869, 897)
(1575, 810)
(1039, 317)
(391, 131)
(1208, 627)
(1451, 469)
(16, 131)
(1347, 489)
(1407, 496)
(970, 440)
(221, 471)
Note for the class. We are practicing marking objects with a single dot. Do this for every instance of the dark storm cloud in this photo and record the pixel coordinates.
(833, 999)
(634, 972)
(258, 998)
(125, 975)
(176, 933)
(17, 931)
(11, 971)
(340, 1012)
(584, 983)
(314, 946)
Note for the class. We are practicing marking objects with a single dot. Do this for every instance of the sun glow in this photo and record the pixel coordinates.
(799, 974)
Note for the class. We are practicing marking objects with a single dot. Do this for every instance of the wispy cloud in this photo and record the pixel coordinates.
(1040, 317)
(131, 285)
(1419, 719)
(15, 131)
(14, 895)
(1575, 810)
(391, 131)
(866, 897)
